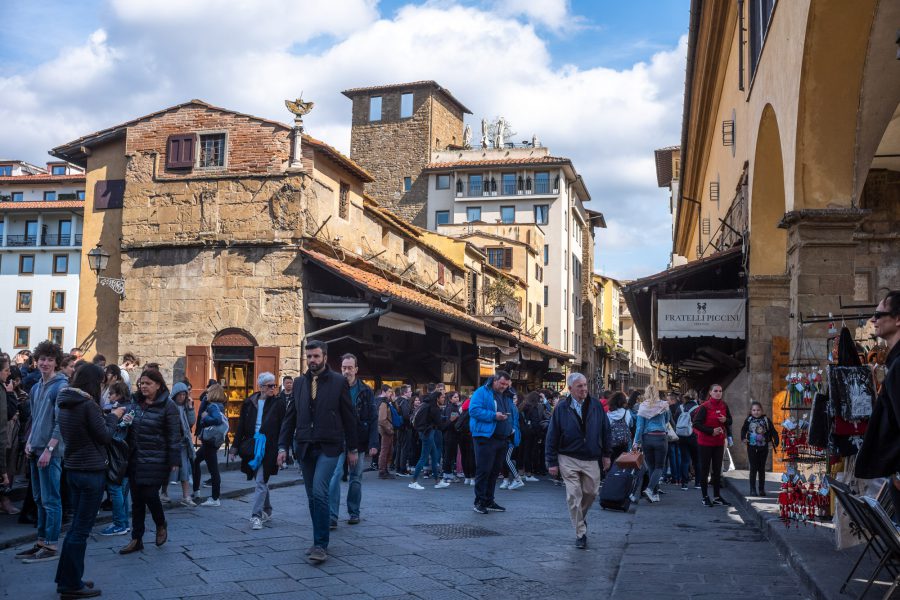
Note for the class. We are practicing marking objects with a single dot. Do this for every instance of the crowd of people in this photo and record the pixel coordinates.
(80, 430)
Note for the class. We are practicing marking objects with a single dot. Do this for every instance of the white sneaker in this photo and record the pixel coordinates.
(266, 517)
(516, 484)
(466, 482)
(441, 485)
(472, 481)
(531, 479)
(415, 486)
(255, 523)
(164, 498)
(211, 502)
(504, 485)
(188, 503)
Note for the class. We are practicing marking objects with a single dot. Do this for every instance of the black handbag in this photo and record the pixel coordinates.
(462, 422)
(117, 460)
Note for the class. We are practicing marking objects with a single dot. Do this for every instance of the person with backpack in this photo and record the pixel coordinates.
(186, 416)
(620, 425)
(531, 414)
(712, 421)
(466, 445)
(650, 437)
(389, 421)
(403, 434)
(758, 432)
(426, 422)
(687, 442)
(213, 427)
(450, 415)
(673, 456)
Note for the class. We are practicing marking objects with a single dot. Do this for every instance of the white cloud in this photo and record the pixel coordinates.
(249, 56)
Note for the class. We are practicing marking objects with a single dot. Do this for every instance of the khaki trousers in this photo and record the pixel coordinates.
(582, 479)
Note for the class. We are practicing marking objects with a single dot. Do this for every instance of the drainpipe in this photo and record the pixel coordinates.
(366, 317)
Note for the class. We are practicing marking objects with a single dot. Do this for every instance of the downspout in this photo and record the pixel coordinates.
(740, 5)
(366, 317)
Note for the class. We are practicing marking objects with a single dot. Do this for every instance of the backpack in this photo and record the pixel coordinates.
(420, 418)
(684, 427)
(620, 433)
(396, 419)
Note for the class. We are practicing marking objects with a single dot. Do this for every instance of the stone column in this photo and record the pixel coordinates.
(768, 308)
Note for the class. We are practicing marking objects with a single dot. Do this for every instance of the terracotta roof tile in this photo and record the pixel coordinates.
(42, 178)
(41, 205)
(413, 298)
(538, 160)
(340, 157)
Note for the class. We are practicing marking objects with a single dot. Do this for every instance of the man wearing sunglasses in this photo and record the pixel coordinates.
(880, 452)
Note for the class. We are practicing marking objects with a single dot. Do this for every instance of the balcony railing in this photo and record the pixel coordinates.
(493, 186)
(25, 241)
(21, 240)
(505, 315)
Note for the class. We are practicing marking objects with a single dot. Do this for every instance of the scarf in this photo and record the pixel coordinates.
(650, 408)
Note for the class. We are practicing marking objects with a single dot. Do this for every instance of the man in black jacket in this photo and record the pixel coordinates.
(319, 421)
(880, 452)
(577, 438)
(363, 401)
(403, 440)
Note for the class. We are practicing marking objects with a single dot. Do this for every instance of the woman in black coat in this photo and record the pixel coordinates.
(154, 437)
(86, 433)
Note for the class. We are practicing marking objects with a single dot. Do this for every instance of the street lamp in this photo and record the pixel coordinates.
(98, 259)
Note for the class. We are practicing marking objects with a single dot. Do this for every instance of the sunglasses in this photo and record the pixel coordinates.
(878, 314)
(269, 385)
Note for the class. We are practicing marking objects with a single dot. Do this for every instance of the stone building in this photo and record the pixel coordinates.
(395, 130)
(788, 191)
(234, 247)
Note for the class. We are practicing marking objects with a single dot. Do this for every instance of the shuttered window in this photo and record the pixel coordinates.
(180, 151)
(500, 257)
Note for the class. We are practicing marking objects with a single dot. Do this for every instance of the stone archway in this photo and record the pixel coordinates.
(768, 243)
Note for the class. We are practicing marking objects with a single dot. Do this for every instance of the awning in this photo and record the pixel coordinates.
(400, 322)
(460, 336)
(338, 311)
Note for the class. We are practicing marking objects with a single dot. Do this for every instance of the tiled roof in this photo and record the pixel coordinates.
(41, 205)
(415, 299)
(538, 160)
(340, 157)
(663, 158)
(400, 86)
(42, 178)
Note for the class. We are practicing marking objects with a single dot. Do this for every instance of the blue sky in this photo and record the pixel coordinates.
(600, 82)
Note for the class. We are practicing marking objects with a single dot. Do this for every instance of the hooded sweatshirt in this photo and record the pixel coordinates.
(85, 430)
(620, 413)
(45, 414)
(186, 416)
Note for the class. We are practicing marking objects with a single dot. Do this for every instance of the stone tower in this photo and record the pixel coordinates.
(395, 128)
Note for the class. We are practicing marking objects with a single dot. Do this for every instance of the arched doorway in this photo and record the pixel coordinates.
(768, 243)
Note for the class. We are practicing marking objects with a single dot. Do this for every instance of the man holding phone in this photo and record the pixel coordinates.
(493, 421)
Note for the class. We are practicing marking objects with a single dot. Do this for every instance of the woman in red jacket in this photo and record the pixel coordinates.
(712, 422)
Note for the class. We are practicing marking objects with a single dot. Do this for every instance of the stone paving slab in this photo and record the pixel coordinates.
(674, 549)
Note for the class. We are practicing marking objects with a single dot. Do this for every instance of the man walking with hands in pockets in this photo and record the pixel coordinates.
(577, 438)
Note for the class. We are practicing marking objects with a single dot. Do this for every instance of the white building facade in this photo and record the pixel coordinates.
(41, 218)
(522, 186)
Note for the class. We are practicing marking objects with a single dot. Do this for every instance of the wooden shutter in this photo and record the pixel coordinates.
(441, 273)
(196, 369)
(109, 193)
(507, 258)
(180, 151)
(266, 360)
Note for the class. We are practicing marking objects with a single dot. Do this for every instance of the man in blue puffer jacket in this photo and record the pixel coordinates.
(494, 422)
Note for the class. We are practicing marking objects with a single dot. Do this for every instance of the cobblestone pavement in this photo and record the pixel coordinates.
(418, 544)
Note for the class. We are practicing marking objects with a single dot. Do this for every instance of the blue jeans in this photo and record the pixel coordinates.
(121, 510)
(45, 489)
(429, 451)
(675, 462)
(317, 471)
(86, 488)
(688, 447)
(354, 490)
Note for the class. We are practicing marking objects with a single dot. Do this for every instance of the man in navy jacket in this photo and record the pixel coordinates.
(577, 438)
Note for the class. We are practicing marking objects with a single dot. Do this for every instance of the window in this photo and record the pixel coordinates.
(546, 254)
(760, 18)
(508, 214)
(538, 272)
(442, 182)
(26, 264)
(542, 214)
(473, 213)
(546, 335)
(542, 183)
(441, 273)
(180, 151)
(58, 170)
(23, 301)
(31, 233)
(60, 264)
(565, 299)
(538, 308)
(476, 185)
(407, 184)
(509, 184)
(5, 170)
(375, 108)
(546, 295)
(566, 340)
(212, 151)
(442, 217)
(500, 257)
(344, 201)
(79, 195)
(18, 196)
(49, 196)
(55, 335)
(57, 301)
(406, 105)
(63, 233)
(22, 337)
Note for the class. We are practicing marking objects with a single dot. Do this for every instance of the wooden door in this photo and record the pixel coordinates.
(196, 369)
(266, 360)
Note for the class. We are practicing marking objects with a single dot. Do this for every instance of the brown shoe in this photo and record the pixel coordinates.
(162, 534)
(133, 546)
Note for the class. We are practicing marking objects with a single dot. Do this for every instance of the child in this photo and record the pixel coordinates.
(118, 395)
(758, 432)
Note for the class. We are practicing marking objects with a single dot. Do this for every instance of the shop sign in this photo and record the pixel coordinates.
(701, 317)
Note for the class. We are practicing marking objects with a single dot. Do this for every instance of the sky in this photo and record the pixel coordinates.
(599, 81)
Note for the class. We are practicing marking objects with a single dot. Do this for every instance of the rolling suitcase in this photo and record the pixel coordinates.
(617, 489)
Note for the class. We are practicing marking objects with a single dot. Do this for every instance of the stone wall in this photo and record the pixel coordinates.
(877, 264)
(768, 308)
(446, 123)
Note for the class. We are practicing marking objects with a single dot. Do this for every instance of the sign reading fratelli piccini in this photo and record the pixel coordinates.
(700, 317)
